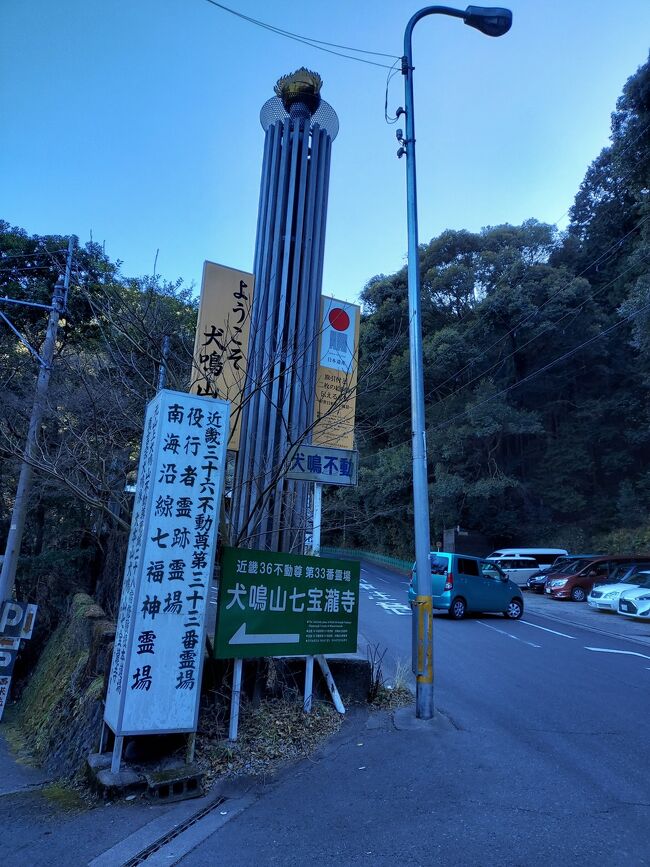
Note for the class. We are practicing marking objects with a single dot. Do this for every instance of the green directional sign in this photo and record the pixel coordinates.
(273, 604)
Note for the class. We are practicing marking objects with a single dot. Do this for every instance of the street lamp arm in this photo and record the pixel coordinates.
(422, 13)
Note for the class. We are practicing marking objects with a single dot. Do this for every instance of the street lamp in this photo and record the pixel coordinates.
(492, 22)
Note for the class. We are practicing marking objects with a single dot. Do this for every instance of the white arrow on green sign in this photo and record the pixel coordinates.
(241, 637)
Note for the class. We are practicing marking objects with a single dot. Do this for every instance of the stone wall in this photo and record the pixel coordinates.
(58, 717)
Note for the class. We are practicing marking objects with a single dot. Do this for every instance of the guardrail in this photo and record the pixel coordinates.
(382, 559)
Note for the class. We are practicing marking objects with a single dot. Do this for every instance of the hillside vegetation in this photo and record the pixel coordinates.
(537, 379)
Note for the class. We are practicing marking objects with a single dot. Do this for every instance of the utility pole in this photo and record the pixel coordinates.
(162, 367)
(492, 22)
(19, 514)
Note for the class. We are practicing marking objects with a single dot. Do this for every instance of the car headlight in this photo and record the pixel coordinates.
(643, 598)
(558, 582)
(610, 595)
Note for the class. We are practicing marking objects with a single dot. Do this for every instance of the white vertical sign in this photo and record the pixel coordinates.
(155, 679)
(338, 335)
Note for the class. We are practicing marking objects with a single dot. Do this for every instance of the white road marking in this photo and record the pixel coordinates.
(509, 634)
(622, 652)
(384, 600)
(378, 577)
(395, 607)
(563, 634)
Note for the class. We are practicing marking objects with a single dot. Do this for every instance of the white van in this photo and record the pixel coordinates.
(518, 569)
(545, 557)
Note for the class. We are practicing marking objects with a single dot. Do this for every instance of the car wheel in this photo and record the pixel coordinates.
(515, 609)
(457, 608)
(578, 594)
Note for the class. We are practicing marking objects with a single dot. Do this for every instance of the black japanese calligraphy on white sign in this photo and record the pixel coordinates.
(155, 677)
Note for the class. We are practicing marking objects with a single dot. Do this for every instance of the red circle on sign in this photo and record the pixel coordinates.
(339, 319)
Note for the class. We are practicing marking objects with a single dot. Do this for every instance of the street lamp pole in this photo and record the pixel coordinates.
(492, 22)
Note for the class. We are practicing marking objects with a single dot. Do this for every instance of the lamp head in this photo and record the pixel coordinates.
(491, 21)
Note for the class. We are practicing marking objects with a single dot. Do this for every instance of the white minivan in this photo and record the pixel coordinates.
(545, 557)
(518, 569)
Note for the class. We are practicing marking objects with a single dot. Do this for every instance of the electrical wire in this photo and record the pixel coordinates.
(397, 418)
(306, 40)
(573, 311)
(18, 270)
(39, 252)
(391, 74)
(546, 367)
(617, 154)
(550, 298)
(526, 379)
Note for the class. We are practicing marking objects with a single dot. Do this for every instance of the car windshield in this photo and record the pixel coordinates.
(574, 566)
(641, 579)
(492, 570)
(620, 572)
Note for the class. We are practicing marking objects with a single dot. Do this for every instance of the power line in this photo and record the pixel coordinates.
(33, 255)
(521, 322)
(528, 316)
(404, 413)
(307, 40)
(20, 270)
(571, 311)
(546, 367)
(391, 74)
(526, 379)
(616, 154)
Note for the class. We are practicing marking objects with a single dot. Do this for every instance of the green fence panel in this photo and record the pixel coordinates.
(382, 559)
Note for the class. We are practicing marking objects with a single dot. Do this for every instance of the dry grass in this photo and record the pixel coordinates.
(390, 696)
(272, 734)
(383, 695)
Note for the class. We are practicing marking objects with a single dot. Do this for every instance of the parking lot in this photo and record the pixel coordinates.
(580, 614)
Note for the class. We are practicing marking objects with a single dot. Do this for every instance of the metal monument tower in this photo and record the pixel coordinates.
(269, 511)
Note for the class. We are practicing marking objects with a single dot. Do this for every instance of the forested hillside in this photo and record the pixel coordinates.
(537, 366)
(104, 372)
(537, 372)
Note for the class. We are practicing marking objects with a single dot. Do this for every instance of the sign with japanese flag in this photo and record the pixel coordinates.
(336, 378)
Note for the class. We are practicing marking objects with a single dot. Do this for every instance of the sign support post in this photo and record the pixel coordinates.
(315, 544)
(318, 512)
(117, 754)
(329, 680)
(235, 700)
(309, 683)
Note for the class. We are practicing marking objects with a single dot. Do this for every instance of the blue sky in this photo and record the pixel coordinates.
(138, 122)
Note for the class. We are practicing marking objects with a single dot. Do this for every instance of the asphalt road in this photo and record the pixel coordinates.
(561, 667)
(538, 754)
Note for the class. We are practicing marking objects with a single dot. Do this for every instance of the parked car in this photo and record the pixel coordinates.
(604, 597)
(460, 583)
(635, 603)
(569, 564)
(545, 557)
(578, 585)
(518, 569)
